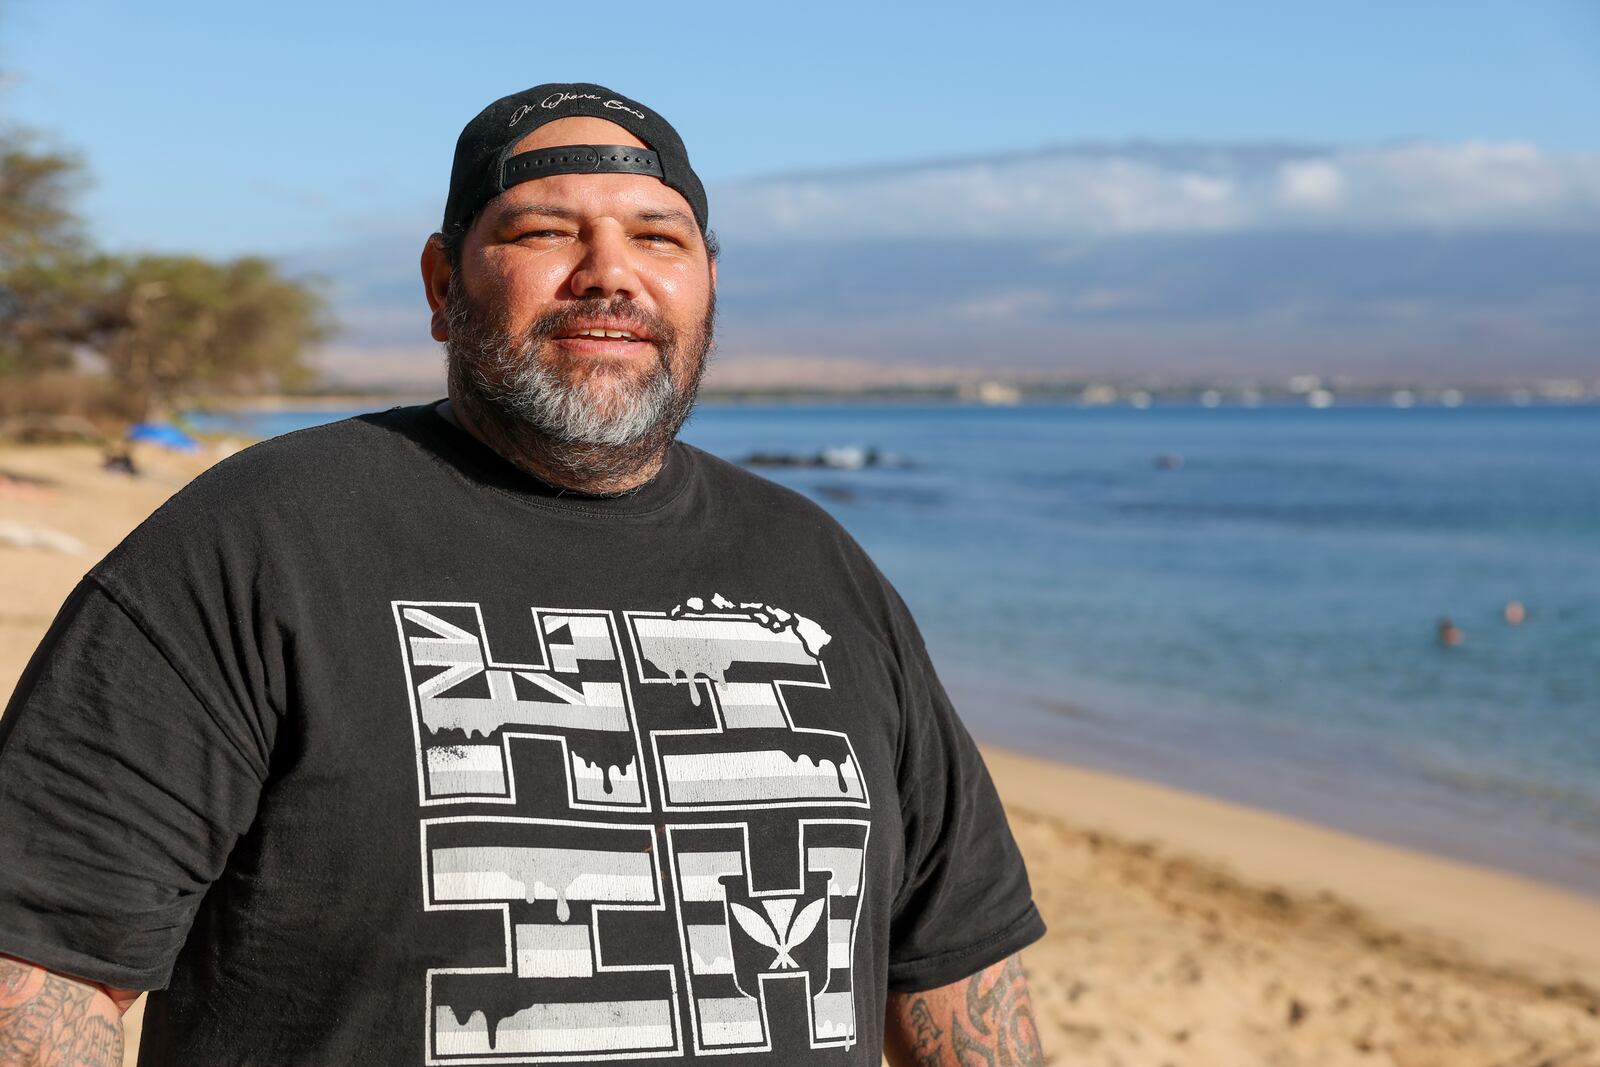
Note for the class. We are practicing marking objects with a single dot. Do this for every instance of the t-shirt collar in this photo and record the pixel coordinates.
(480, 463)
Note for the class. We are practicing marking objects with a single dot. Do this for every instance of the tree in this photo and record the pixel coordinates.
(41, 250)
(164, 326)
(174, 326)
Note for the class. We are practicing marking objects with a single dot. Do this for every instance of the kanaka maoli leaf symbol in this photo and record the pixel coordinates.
(804, 923)
(782, 942)
(755, 926)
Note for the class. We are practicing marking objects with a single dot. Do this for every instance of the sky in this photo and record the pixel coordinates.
(227, 129)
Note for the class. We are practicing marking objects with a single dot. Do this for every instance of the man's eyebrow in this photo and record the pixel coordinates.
(519, 210)
(672, 215)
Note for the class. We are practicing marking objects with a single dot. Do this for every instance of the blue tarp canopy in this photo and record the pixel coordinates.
(164, 434)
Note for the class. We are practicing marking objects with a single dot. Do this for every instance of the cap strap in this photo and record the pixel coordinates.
(579, 159)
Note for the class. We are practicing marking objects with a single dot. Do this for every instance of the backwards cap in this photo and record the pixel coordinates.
(485, 166)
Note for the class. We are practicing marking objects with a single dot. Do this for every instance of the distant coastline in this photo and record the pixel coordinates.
(1305, 391)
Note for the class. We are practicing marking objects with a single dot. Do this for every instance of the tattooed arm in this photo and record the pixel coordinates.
(985, 1020)
(50, 1020)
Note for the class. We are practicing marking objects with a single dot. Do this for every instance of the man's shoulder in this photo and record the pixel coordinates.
(273, 490)
(306, 463)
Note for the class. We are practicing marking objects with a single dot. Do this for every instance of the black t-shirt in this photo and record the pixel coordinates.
(369, 748)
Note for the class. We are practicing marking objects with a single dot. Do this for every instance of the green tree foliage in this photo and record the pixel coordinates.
(41, 249)
(165, 327)
(175, 326)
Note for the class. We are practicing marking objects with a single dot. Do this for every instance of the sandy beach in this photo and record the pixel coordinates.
(1183, 930)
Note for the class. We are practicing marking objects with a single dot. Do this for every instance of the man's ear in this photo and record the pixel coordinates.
(436, 283)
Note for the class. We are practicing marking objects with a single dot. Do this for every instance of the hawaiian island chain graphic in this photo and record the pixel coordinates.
(658, 856)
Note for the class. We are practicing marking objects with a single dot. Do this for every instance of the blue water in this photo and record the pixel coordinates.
(1259, 623)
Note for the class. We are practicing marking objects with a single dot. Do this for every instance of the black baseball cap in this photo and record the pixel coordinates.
(485, 166)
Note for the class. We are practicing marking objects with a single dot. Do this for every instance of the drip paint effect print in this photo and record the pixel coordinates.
(590, 928)
(691, 644)
(467, 708)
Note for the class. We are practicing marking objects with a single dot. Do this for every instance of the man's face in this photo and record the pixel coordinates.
(552, 262)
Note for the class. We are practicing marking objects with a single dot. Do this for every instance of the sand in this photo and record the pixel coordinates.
(1183, 930)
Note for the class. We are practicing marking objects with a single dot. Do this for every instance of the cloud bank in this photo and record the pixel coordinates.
(1109, 190)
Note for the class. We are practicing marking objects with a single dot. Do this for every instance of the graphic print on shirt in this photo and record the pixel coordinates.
(467, 712)
(740, 938)
(603, 915)
(773, 761)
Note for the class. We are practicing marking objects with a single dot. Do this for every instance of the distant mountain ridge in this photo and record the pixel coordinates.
(1468, 261)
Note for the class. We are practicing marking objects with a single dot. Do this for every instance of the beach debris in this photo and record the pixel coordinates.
(16, 534)
(1515, 613)
(119, 460)
(1297, 1011)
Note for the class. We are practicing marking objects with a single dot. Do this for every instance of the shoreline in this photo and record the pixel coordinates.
(1509, 921)
(1406, 813)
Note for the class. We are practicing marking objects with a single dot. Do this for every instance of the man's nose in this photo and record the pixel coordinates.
(607, 267)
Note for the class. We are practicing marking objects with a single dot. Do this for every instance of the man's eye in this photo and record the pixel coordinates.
(537, 233)
(666, 238)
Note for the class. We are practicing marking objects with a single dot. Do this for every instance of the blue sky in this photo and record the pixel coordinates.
(231, 128)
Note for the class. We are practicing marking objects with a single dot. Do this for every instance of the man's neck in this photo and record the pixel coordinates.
(594, 469)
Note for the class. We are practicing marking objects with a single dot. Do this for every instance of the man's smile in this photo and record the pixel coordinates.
(603, 338)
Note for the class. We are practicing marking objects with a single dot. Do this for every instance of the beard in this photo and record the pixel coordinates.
(581, 422)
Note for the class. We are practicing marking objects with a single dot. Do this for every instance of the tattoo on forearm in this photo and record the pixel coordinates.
(991, 1022)
(927, 1033)
(50, 1021)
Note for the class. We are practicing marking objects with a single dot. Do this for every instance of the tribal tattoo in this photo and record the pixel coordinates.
(990, 1016)
(50, 1021)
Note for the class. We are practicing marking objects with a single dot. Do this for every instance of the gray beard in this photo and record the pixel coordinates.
(594, 427)
(604, 410)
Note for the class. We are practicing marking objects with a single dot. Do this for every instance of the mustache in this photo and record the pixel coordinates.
(628, 314)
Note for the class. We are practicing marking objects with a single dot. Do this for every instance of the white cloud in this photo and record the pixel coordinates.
(1311, 184)
(1098, 192)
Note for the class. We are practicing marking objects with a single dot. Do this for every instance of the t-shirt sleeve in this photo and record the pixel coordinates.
(121, 795)
(965, 903)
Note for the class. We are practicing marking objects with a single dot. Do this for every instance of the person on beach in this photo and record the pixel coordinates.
(508, 728)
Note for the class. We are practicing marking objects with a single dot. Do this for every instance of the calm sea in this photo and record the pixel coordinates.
(1257, 621)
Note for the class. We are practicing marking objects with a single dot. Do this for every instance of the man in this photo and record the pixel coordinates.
(508, 729)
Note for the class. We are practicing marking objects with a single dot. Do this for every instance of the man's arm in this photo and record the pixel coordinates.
(985, 1020)
(50, 1020)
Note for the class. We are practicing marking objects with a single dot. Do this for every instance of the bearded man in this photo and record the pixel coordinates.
(508, 728)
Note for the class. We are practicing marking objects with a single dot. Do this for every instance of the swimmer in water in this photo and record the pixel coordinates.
(1515, 612)
(1450, 634)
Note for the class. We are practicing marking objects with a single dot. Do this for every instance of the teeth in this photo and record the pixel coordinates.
(604, 333)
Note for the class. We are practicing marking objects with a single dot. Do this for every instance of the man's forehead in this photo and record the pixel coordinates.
(577, 129)
(573, 196)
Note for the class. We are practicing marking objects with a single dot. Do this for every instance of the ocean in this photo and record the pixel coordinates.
(1245, 601)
